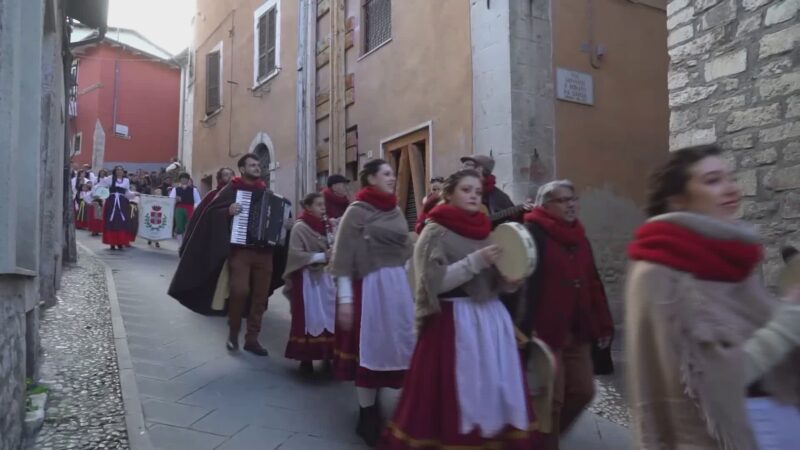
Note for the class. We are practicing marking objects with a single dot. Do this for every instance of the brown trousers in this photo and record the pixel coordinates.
(250, 278)
(574, 388)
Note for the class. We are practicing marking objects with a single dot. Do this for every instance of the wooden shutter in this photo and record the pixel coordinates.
(213, 100)
(272, 38)
(262, 46)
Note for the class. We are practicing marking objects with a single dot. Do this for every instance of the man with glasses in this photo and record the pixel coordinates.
(565, 303)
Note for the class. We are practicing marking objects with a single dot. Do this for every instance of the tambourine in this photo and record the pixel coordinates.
(518, 257)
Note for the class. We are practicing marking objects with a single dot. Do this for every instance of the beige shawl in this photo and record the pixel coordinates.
(304, 242)
(437, 248)
(685, 350)
(369, 239)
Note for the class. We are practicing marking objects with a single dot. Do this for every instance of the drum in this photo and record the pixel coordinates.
(518, 259)
(101, 192)
(540, 370)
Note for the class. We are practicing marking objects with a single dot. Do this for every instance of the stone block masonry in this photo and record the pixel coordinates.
(12, 361)
(735, 80)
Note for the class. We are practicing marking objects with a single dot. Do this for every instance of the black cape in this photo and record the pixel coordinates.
(204, 254)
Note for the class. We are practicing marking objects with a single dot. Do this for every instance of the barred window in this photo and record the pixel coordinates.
(377, 23)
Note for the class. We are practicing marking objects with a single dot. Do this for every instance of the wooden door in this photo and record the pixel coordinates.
(407, 155)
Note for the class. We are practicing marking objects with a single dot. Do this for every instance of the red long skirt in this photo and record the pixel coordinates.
(302, 346)
(346, 351)
(427, 416)
(81, 216)
(115, 229)
(95, 225)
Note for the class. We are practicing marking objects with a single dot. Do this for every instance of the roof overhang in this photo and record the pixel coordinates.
(92, 13)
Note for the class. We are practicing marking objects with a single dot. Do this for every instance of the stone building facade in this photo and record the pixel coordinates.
(734, 79)
(34, 50)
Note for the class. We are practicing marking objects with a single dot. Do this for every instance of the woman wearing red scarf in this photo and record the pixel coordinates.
(465, 387)
(565, 304)
(310, 288)
(375, 312)
(706, 344)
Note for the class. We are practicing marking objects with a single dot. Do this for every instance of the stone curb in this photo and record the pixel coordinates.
(34, 419)
(138, 438)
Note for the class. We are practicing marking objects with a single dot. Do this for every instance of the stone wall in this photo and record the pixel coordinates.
(512, 91)
(735, 80)
(12, 360)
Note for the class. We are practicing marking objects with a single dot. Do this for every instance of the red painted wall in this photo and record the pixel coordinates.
(148, 102)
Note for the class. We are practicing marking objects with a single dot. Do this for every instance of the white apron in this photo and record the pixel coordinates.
(387, 335)
(490, 389)
(319, 301)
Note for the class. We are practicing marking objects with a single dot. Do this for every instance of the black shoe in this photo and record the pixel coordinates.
(158, 245)
(369, 425)
(256, 349)
(233, 343)
(307, 367)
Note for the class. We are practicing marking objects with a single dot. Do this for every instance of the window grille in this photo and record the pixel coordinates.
(377, 16)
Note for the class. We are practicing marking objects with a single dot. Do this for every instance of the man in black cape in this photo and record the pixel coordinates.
(200, 283)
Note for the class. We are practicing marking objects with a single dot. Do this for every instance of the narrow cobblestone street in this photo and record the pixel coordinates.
(85, 409)
(191, 392)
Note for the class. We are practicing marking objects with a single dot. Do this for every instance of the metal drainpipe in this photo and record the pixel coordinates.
(116, 99)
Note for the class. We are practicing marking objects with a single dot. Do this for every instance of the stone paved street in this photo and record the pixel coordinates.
(85, 409)
(196, 395)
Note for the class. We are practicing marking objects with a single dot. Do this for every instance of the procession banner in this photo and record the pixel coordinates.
(156, 217)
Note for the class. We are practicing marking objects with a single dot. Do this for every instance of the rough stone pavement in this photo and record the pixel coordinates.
(79, 366)
(196, 395)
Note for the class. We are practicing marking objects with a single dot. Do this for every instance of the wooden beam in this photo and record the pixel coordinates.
(323, 7)
(403, 178)
(417, 173)
(338, 115)
(323, 97)
(405, 140)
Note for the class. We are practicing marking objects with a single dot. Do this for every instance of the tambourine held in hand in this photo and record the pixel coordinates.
(518, 259)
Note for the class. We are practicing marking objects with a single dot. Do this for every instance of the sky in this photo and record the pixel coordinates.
(165, 22)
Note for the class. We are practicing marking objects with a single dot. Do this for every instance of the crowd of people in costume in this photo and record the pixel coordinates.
(107, 203)
(427, 318)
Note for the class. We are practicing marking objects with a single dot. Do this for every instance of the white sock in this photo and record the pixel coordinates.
(366, 396)
(389, 399)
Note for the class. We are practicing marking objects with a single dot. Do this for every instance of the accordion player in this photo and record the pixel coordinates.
(261, 222)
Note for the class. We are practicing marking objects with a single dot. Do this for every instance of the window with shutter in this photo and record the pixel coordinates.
(267, 41)
(262, 47)
(272, 64)
(213, 91)
(377, 21)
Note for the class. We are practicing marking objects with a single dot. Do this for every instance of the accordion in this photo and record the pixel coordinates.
(260, 224)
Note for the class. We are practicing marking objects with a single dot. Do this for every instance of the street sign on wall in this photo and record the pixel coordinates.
(574, 86)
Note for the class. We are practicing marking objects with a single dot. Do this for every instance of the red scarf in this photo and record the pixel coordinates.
(335, 198)
(568, 234)
(377, 198)
(489, 181)
(239, 184)
(430, 202)
(470, 225)
(683, 249)
(313, 221)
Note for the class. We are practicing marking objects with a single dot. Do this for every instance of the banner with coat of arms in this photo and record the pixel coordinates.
(156, 217)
